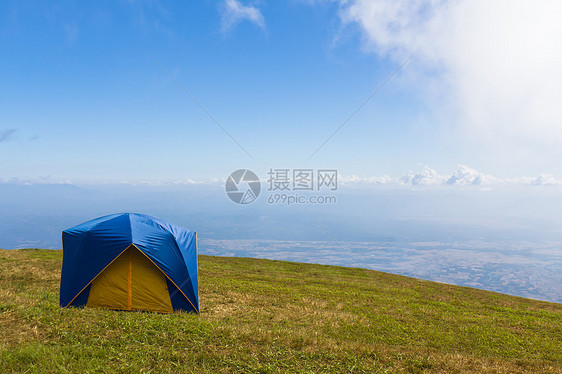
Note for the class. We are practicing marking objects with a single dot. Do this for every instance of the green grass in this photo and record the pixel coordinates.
(261, 316)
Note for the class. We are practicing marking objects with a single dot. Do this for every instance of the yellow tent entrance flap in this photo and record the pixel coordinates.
(131, 282)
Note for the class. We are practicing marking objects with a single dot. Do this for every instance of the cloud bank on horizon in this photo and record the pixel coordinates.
(496, 64)
(461, 176)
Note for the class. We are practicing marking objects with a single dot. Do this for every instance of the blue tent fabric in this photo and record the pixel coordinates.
(91, 246)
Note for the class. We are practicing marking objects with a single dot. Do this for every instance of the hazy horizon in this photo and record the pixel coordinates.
(505, 238)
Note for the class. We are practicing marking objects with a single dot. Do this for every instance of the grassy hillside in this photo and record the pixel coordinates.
(260, 316)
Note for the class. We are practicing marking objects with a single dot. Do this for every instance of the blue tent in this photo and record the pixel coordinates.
(130, 262)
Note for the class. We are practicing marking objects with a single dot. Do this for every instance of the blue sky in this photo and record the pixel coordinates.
(82, 98)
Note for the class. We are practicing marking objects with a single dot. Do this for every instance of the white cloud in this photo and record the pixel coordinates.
(32, 181)
(234, 12)
(426, 176)
(541, 180)
(351, 180)
(184, 182)
(494, 64)
(546, 179)
(464, 175)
